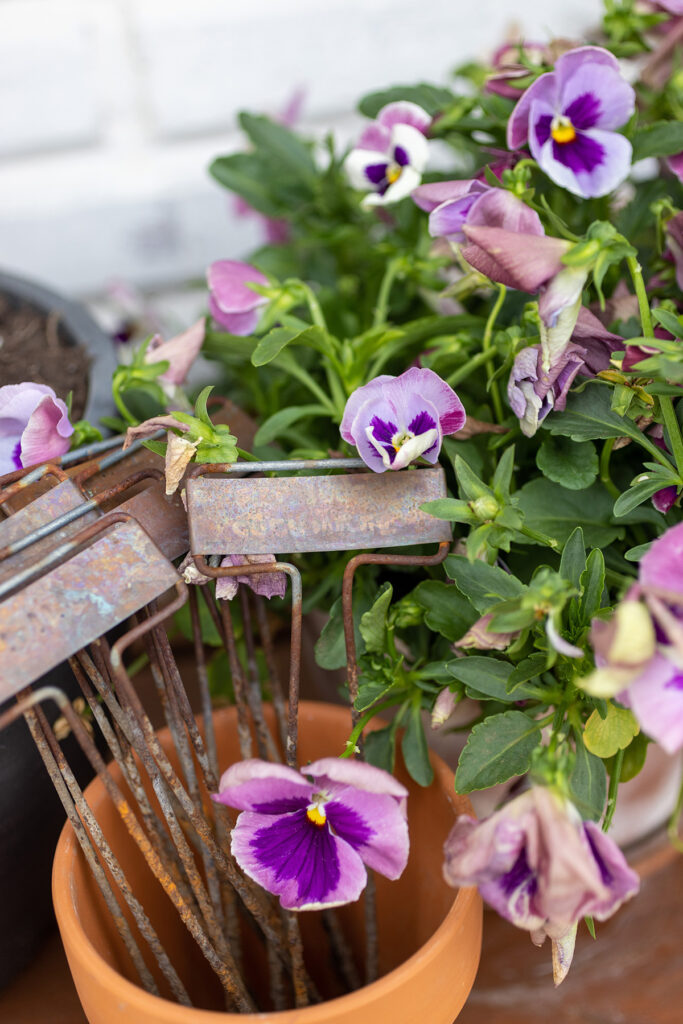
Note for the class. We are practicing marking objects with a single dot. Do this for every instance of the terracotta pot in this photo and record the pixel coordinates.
(429, 935)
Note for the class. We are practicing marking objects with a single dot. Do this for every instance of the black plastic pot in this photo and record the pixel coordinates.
(31, 815)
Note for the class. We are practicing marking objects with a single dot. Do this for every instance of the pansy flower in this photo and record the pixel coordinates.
(569, 117)
(232, 302)
(391, 154)
(34, 426)
(394, 420)
(307, 837)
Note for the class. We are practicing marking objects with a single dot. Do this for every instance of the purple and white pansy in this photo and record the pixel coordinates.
(308, 836)
(34, 426)
(569, 117)
(394, 420)
(391, 154)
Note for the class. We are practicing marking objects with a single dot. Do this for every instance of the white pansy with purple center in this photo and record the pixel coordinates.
(34, 426)
(569, 117)
(394, 420)
(307, 837)
(391, 154)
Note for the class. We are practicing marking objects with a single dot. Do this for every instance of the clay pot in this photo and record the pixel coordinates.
(429, 935)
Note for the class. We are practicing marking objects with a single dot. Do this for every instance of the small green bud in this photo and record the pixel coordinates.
(485, 508)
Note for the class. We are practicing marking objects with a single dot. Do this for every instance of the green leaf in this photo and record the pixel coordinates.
(245, 174)
(471, 486)
(669, 321)
(415, 750)
(200, 409)
(446, 610)
(380, 747)
(431, 98)
(633, 760)
(270, 346)
(285, 149)
(483, 585)
(498, 748)
(531, 668)
(573, 560)
(635, 554)
(373, 623)
(663, 138)
(640, 492)
(502, 477)
(369, 692)
(588, 783)
(592, 584)
(485, 678)
(589, 416)
(330, 648)
(451, 509)
(604, 736)
(271, 428)
(566, 462)
(555, 511)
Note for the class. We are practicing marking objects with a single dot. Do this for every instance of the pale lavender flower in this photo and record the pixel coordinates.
(449, 205)
(34, 426)
(569, 117)
(540, 866)
(232, 303)
(307, 837)
(394, 420)
(533, 392)
(391, 154)
(180, 353)
(267, 584)
(444, 706)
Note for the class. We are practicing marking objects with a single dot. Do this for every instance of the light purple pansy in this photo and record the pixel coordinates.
(394, 420)
(232, 303)
(449, 205)
(34, 426)
(569, 117)
(533, 392)
(391, 154)
(539, 865)
(307, 837)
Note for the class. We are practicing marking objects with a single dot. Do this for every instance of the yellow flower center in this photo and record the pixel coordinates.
(562, 130)
(316, 814)
(393, 173)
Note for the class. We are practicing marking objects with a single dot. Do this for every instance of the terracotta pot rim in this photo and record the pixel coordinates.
(68, 848)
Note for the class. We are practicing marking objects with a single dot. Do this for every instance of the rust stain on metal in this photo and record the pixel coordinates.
(314, 513)
(58, 614)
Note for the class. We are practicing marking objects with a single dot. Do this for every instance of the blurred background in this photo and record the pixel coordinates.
(111, 110)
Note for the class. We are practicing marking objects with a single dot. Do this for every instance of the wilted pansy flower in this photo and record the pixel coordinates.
(541, 867)
(391, 154)
(307, 837)
(449, 205)
(533, 392)
(394, 420)
(569, 117)
(265, 584)
(34, 426)
(232, 303)
(180, 353)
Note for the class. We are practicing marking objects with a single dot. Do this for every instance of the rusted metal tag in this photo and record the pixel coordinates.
(73, 604)
(278, 515)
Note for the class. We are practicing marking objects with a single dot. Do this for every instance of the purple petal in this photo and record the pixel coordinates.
(404, 112)
(543, 90)
(229, 282)
(662, 565)
(593, 92)
(413, 145)
(615, 873)
(656, 698)
(255, 785)
(236, 323)
(520, 261)
(47, 433)
(591, 166)
(376, 137)
(582, 156)
(428, 385)
(267, 584)
(302, 863)
(345, 772)
(498, 208)
(429, 196)
(584, 111)
(665, 499)
(597, 342)
(374, 825)
(676, 162)
(358, 398)
(447, 220)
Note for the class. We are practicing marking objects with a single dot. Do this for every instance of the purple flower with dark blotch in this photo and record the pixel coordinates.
(394, 420)
(232, 303)
(539, 865)
(34, 426)
(391, 154)
(267, 584)
(569, 117)
(533, 391)
(307, 837)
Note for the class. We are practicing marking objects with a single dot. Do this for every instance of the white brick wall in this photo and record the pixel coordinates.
(110, 111)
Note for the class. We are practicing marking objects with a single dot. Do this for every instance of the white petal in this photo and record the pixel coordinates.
(413, 142)
(409, 179)
(356, 163)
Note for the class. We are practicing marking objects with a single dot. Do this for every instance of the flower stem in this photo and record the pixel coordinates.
(467, 368)
(314, 307)
(605, 477)
(486, 347)
(673, 430)
(542, 538)
(613, 787)
(382, 304)
(641, 295)
(352, 741)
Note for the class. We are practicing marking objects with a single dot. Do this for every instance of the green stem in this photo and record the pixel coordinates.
(291, 366)
(357, 732)
(542, 538)
(612, 794)
(641, 295)
(673, 430)
(247, 456)
(605, 477)
(121, 406)
(486, 347)
(467, 368)
(314, 307)
(382, 304)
